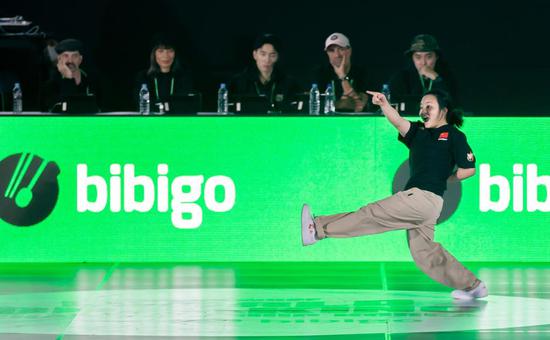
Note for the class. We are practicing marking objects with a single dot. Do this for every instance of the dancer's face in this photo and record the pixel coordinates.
(430, 112)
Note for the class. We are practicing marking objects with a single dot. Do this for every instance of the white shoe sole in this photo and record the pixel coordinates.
(308, 238)
(477, 293)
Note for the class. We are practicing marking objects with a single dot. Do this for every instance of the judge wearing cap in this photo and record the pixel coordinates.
(425, 70)
(348, 81)
(70, 79)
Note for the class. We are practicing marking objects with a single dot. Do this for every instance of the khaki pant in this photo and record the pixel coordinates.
(414, 210)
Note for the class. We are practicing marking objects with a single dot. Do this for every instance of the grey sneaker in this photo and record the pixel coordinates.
(476, 293)
(308, 227)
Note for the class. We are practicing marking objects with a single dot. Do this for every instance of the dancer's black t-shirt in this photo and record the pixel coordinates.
(434, 154)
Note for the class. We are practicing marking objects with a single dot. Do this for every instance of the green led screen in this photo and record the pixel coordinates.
(231, 188)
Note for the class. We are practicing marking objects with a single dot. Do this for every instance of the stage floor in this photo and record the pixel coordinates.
(277, 300)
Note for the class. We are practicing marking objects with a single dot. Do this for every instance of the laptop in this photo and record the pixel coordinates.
(251, 105)
(80, 104)
(186, 104)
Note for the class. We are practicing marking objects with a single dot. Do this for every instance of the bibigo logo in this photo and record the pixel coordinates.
(119, 192)
(514, 192)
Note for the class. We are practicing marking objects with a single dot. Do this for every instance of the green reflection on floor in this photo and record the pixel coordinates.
(94, 287)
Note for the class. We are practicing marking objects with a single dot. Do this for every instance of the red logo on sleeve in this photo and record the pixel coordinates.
(443, 136)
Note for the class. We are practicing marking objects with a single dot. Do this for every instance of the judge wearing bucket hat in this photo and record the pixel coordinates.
(425, 70)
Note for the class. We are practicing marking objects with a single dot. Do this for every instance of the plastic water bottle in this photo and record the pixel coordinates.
(386, 92)
(223, 103)
(144, 100)
(314, 100)
(329, 100)
(17, 98)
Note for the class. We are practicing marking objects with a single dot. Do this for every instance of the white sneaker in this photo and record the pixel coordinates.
(308, 227)
(477, 293)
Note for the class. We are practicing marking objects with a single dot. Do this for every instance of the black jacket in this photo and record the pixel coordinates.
(164, 85)
(325, 75)
(407, 83)
(358, 79)
(280, 90)
(58, 89)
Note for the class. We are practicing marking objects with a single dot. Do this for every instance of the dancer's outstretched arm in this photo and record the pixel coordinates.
(400, 123)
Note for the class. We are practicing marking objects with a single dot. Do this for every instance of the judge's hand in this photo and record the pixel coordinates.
(340, 70)
(65, 69)
(69, 70)
(428, 72)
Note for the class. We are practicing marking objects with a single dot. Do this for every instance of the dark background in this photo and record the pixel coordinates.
(499, 53)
